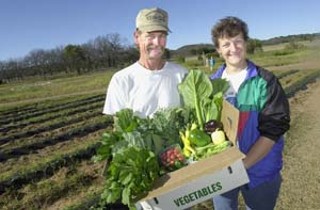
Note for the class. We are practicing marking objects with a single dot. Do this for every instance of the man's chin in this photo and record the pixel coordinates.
(155, 57)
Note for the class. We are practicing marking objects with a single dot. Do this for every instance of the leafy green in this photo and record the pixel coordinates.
(167, 123)
(129, 139)
(203, 95)
(134, 144)
(125, 120)
(219, 86)
(133, 147)
(131, 175)
(104, 151)
(194, 89)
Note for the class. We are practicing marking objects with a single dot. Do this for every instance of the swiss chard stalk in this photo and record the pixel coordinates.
(194, 89)
(203, 95)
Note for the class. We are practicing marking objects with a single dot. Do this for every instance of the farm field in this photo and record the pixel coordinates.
(49, 131)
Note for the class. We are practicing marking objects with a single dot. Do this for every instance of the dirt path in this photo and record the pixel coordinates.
(301, 172)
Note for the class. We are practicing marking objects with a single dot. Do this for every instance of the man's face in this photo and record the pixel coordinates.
(151, 44)
(233, 50)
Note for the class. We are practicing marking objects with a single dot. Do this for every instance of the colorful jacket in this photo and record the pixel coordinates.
(264, 110)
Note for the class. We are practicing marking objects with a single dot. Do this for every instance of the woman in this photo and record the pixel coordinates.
(264, 117)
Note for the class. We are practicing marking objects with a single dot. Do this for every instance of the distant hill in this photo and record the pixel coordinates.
(289, 38)
(191, 50)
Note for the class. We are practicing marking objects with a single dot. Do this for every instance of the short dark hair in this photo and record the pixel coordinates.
(229, 27)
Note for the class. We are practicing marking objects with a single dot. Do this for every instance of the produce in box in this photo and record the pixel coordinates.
(133, 144)
(172, 158)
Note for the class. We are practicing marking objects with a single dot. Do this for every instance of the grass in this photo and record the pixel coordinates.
(31, 91)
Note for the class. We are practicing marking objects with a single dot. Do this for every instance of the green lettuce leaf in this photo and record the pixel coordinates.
(203, 95)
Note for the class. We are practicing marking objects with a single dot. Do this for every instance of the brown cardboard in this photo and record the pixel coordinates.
(202, 180)
(203, 167)
(230, 120)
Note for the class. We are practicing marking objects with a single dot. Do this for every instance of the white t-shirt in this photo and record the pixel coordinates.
(143, 90)
(235, 80)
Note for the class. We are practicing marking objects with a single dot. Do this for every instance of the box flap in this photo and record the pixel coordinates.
(230, 120)
(193, 171)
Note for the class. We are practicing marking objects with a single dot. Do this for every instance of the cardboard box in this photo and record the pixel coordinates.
(204, 179)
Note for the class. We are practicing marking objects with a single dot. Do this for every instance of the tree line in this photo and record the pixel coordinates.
(106, 52)
(103, 52)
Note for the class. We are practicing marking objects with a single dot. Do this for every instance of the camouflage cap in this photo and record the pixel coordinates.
(153, 19)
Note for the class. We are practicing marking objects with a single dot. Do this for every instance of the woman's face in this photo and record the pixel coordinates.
(233, 50)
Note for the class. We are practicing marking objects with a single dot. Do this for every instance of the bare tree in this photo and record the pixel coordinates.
(103, 52)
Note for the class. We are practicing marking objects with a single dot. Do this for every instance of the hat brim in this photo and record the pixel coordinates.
(153, 28)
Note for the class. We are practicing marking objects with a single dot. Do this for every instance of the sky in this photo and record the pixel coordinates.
(27, 25)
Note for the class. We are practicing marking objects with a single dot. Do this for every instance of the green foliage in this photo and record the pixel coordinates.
(254, 45)
(180, 59)
(294, 46)
(203, 95)
(202, 50)
(75, 57)
(280, 56)
(284, 52)
(132, 149)
(130, 174)
(125, 121)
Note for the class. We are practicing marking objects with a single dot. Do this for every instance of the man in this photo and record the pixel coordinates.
(264, 118)
(151, 83)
